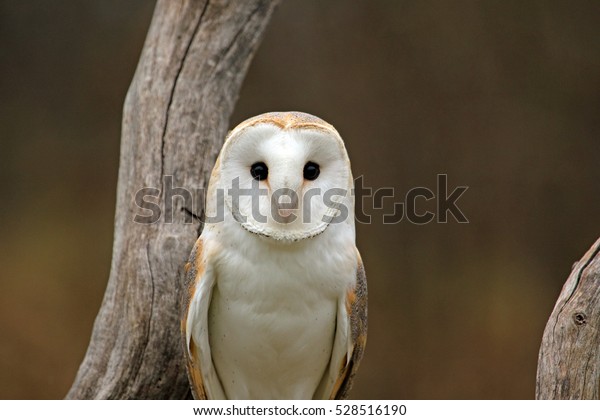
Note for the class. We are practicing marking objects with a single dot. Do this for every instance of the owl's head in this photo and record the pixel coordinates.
(285, 176)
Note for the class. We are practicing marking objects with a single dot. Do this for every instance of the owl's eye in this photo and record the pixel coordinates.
(311, 171)
(259, 171)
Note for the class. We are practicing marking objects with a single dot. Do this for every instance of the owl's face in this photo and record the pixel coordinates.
(286, 176)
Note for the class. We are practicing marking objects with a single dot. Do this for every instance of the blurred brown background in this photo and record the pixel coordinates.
(503, 96)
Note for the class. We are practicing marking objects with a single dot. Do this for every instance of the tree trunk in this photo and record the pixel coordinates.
(175, 118)
(569, 360)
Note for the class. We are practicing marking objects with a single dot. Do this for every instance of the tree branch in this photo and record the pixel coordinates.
(569, 359)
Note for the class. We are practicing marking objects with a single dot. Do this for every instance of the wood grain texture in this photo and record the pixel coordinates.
(569, 359)
(175, 119)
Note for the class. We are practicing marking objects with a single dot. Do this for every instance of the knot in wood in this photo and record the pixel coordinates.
(579, 318)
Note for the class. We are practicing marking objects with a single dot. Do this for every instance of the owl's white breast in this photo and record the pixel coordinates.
(272, 317)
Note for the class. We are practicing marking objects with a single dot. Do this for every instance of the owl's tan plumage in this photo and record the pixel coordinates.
(275, 310)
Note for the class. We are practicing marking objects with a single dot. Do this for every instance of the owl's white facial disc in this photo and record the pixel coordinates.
(286, 184)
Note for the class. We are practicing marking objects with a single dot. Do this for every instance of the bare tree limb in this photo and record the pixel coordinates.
(569, 359)
(175, 118)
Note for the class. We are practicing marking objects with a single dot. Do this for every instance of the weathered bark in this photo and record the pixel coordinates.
(569, 359)
(175, 118)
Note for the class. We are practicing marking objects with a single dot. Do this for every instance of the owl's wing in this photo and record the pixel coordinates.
(350, 339)
(199, 282)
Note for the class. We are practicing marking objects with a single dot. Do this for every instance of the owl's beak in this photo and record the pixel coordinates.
(284, 186)
(287, 206)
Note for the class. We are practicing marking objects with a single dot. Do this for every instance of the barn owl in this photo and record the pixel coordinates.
(275, 300)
